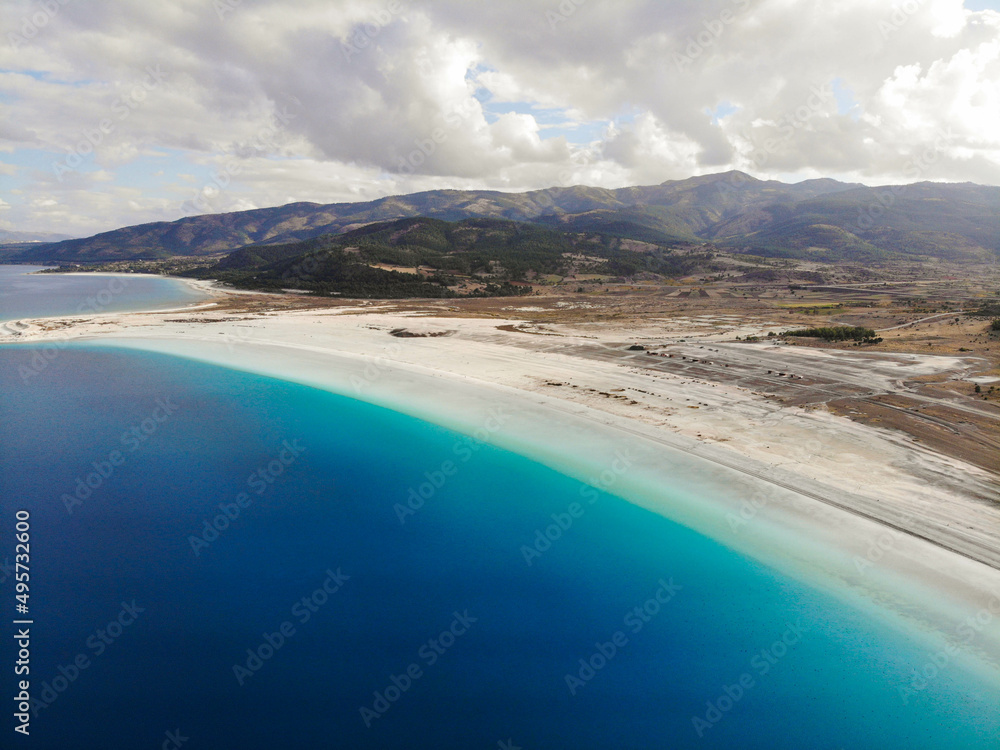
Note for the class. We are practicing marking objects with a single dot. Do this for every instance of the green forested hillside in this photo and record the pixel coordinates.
(432, 258)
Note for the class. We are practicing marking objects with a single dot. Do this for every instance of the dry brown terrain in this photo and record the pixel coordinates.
(922, 315)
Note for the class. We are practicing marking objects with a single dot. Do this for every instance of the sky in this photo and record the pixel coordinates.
(120, 112)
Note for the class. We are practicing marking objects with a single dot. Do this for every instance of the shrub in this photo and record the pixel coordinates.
(837, 333)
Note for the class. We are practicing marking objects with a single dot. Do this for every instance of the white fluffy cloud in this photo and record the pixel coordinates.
(121, 112)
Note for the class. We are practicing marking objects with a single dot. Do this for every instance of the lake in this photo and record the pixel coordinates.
(253, 563)
(25, 294)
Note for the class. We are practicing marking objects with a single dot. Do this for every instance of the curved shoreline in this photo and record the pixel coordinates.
(806, 529)
(916, 585)
(205, 290)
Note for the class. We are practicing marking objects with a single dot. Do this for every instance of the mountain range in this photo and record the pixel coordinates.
(8, 237)
(822, 219)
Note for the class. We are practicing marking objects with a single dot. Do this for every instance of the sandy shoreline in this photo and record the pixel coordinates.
(857, 511)
(207, 290)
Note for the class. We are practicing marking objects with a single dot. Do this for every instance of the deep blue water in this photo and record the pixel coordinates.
(833, 683)
(26, 295)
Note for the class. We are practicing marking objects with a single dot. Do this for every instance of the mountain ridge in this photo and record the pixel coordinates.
(733, 209)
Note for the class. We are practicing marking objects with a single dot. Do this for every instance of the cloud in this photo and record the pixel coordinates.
(353, 99)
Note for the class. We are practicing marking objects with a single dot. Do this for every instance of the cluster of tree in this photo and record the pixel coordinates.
(492, 257)
(506, 250)
(995, 325)
(332, 271)
(987, 310)
(660, 261)
(512, 251)
(808, 237)
(838, 333)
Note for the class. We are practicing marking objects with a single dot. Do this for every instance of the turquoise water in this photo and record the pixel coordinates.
(27, 295)
(432, 631)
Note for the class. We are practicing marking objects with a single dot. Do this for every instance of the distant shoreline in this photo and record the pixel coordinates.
(208, 295)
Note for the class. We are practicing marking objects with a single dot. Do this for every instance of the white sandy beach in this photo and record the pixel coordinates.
(797, 489)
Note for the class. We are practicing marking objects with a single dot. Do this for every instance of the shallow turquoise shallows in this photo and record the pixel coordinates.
(24, 294)
(257, 564)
